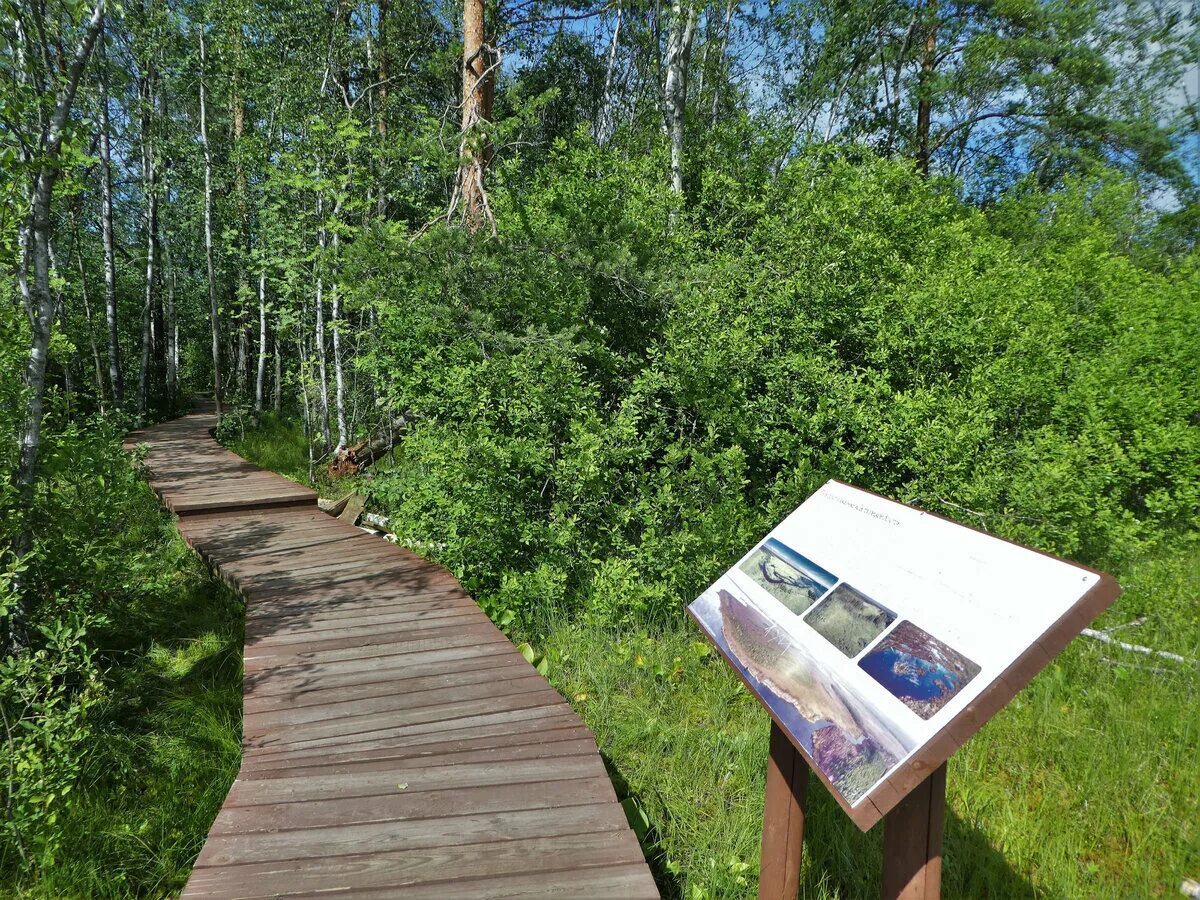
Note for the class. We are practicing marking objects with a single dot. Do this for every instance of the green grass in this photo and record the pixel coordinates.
(1086, 785)
(277, 444)
(165, 746)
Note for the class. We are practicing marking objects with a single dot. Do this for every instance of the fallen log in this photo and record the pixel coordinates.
(353, 459)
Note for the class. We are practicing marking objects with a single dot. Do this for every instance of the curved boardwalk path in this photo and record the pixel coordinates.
(395, 742)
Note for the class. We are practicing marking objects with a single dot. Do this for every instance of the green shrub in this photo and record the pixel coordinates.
(605, 413)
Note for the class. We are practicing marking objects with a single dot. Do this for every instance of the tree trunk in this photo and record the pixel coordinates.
(305, 403)
(40, 301)
(319, 335)
(115, 376)
(604, 123)
(262, 345)
(381, 110)
(213, 309)
(171, 325)
(925, 100)
(679, 48)
(150, 190)
(721, 61)
(278, 399)
(339, 377)
(91, 332)
(480, 61)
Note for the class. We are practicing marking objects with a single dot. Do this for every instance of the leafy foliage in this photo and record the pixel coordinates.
(603, 417)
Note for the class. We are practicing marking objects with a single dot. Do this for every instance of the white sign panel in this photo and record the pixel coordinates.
(865, 626)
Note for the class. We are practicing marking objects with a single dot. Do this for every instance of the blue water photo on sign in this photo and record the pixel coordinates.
(919, 670)
(791, 578)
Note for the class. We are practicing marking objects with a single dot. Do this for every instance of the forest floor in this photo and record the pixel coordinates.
(1086, 785)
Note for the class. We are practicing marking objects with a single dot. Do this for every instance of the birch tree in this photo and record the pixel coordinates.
(213, 308)
(54, 72)
(684, 14)
(116, 378)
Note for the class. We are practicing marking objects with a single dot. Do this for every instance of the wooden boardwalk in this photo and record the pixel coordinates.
(395, 743)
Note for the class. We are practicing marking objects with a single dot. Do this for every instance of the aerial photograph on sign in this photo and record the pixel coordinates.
(792, 579)
(921, 671)
(849, 619)
(853, 742)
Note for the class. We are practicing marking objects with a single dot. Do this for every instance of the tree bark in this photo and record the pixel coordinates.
(262, 345)
(721, 60)
(335, 311)
(319, 333)
(91, 333)
(604, 123)
(480, 61)
(171, 324)
(925, 87)
(278, 386)
(115, 376)
(151, 196)
(39, 299)
(381, 109)
(679, 48)
(213, 309)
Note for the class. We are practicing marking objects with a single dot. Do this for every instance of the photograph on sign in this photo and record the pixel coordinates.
(865, 626)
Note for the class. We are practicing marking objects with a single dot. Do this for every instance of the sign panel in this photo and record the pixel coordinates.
(870, 629)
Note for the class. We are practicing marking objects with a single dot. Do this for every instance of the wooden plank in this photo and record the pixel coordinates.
(372, 668)
(783, 819)
(411, 834)
(396, 869)
(347, 730)
(629, 882)
(514, 682)
(257, 658)
(468, 746)
(416, 738)
(573, 741)
(415, 780)
(912, 842)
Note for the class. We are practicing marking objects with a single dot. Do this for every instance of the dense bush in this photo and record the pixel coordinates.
(607, 408)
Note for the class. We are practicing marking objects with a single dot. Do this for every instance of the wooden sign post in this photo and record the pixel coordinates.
(880, 638)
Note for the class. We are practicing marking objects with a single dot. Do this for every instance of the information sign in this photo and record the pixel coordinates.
(881, 637)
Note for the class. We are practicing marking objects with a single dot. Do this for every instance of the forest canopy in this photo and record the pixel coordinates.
(583, 296)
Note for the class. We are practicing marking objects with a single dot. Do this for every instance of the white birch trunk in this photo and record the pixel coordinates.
(319, 334)
(151, 195)
(39, 299)
(339, 376)
(262, 344)
(213, 309)
(604, 126)
(278, 399)
(91, 333)
(679, 48)
(716, 94)
(115, 376)
(170, 325)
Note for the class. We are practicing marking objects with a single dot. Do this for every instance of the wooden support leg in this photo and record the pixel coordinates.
(783, 820)
(912, 842)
